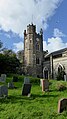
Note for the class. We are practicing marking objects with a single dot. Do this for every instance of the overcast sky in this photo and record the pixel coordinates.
(50, 15)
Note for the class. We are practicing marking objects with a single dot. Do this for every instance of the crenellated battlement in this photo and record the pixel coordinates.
(31, 29)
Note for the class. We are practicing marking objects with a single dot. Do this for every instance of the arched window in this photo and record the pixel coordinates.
(59, 69)
(37, 46)
(61, 72)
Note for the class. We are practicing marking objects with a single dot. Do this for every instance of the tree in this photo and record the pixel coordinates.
(9, 64)
(20, 55)
(8, 52)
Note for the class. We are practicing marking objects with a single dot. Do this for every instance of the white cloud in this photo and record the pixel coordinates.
(58, 33)
(18, 46)
(55, 43)
(16, 14)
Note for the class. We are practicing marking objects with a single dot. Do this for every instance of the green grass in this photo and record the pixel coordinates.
(41, 105)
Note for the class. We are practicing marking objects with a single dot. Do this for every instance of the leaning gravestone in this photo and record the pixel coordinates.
(3, 78)
(3, 91)
(62, 105)
(26, 87)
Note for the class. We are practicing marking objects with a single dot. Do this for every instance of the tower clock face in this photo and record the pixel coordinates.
(37, 39)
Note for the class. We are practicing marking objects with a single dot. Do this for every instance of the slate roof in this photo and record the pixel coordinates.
(58, 52)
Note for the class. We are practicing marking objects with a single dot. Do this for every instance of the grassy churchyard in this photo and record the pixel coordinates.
(40, 105)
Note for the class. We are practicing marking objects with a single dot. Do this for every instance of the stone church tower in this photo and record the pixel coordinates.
(33, 51)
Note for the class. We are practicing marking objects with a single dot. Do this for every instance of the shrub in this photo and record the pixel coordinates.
(34, 80)
(15, 78)
(60, 75)
(1, 83)
(21, 78)
(8, 79)
(61, 87)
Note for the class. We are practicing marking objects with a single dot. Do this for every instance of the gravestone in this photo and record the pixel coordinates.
(65, 78)
(3, 78)
(26, 80)
(26, 89)
(11, 85)
(41, 82)
(45, 84)
(3, 91)
(62, 105)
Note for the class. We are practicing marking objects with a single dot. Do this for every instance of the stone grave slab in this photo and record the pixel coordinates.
(26, 89)
(3, 78)
(45, 84)
(62, 105)
(11, 85)
(26, 80)
(65, 78)
(41, 82)
(3, 91)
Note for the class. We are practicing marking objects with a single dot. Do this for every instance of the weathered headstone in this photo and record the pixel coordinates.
(3, 78)
(45, 84)
(41, 82)
(3, 91)
(62, 105)
(11, 85)
(26, 80)
(65, 78)
(26, 89)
